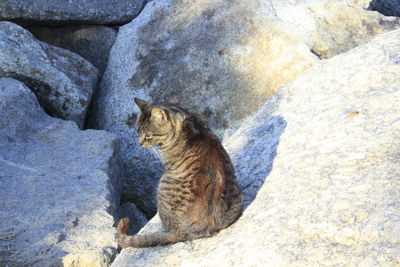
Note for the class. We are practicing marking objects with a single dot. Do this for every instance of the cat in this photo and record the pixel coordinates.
(198, 194)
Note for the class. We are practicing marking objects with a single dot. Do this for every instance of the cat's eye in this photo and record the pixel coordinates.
(148, 136)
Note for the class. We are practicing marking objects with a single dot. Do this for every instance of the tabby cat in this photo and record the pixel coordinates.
(198, 193)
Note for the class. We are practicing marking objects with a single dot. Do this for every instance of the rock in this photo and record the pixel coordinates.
(68, 12)
(221, 59)
(331, 196)
(91, 42)
(59, 186)
(136, 218)
(62, 81)
(337, 26)
(386, 7)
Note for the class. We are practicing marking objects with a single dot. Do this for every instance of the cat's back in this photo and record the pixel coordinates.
(199, 187)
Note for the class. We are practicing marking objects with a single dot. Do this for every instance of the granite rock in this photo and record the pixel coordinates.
(221, 59)
(68, 12)
(92, 42)
(386, 7)
(329, 195)
(62, 81)
(59, 187)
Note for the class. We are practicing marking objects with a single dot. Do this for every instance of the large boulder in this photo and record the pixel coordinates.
(92, 42)
(62, 81)
(221, 58)
(332, 193)
(67, 12)
(59, 186)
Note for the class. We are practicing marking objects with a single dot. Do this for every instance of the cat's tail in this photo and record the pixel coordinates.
(146, 240)
(123, 226)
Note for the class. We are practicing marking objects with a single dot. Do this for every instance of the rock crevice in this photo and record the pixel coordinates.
(62, 81)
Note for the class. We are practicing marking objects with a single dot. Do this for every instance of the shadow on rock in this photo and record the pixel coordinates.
(253, 149)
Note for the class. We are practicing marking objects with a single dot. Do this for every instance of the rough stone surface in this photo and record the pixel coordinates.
(386, 7)
(62, 81)
(221, 58)
(58, 186)
(67, 12)
(331, 27)
(136, 218)
(93, 42)
(332, 193)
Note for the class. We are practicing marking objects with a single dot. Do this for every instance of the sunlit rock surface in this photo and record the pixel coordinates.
(328, 144)
(222, 59)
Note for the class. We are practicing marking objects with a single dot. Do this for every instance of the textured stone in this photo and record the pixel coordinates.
(222, 59)
(91, 42)
(62, 81)
(323, 157)
(332, 27)
(67, 12)
(386, 7)
(58, 186)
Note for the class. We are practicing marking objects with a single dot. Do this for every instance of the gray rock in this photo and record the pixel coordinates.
(332, 193)
(223, 59)
(67, 12)
(91, 42)
(59, 186)
(386, 7)
(136, 218)
(62, 81)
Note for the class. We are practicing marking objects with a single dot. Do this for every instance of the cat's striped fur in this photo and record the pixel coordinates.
(198, 194)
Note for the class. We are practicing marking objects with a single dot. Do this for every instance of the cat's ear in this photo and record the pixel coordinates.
(142, 104)
(159, 114)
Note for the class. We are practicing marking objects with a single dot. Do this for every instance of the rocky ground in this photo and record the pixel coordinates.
(326, 188)
(58, 186)
(318, 161)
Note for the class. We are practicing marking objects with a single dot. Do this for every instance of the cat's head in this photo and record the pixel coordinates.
(158, 123)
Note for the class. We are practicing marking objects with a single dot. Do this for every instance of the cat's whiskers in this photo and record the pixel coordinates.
(156, 153)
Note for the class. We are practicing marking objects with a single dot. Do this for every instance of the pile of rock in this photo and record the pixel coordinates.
(322, 156)
(60, 186)
(223, 59)
(316, 161)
